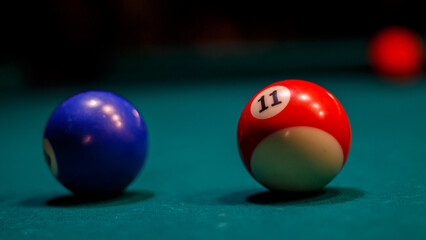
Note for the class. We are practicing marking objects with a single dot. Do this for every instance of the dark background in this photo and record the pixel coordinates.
(73, 41)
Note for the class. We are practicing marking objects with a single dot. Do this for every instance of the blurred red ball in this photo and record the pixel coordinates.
(396, 52)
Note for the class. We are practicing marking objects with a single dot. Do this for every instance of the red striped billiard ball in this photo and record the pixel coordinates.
(294, 136)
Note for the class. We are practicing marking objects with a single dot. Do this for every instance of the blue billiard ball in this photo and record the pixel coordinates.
(95, 143)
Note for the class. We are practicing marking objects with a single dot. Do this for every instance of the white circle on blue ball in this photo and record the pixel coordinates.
(50, 157)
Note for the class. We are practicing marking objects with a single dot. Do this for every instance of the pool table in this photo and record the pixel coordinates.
(194, 185)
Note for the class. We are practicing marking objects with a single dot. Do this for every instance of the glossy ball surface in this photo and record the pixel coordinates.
(294, 136)
(396, 52)
(95, 143)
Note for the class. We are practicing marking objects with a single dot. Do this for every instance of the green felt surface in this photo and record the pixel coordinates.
(194, 185)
